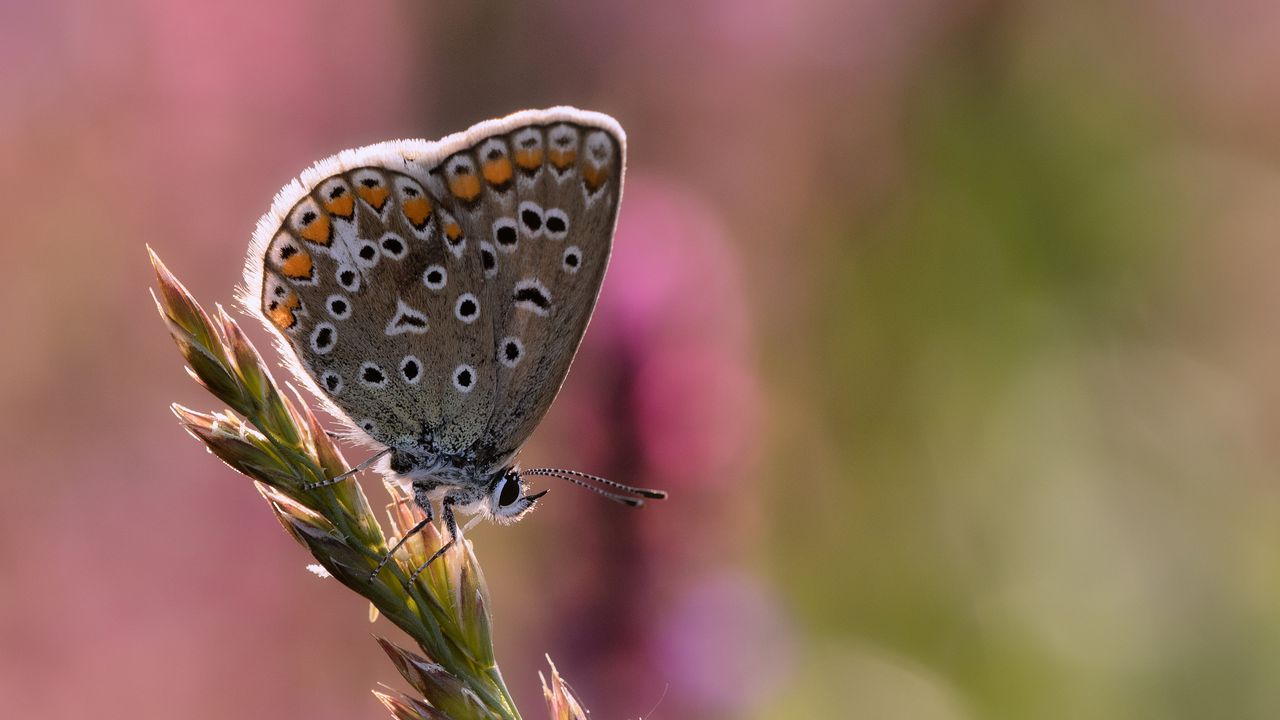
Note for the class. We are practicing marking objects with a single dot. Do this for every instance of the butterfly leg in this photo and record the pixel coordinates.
(343, 476)
(446, 511)
(420, 497)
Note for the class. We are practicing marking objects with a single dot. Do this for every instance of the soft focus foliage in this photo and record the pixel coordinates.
(950, 325)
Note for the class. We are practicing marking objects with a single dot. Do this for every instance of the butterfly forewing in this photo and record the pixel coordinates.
(435, 293)
(548, 287)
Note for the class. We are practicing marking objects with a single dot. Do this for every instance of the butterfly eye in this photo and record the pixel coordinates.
(507, 502)
(509, 493)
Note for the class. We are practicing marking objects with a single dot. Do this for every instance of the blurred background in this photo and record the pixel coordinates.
(950, 326)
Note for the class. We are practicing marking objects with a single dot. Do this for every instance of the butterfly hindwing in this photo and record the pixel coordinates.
(361, 312)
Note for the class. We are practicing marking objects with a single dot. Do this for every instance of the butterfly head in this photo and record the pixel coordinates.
(508, 499)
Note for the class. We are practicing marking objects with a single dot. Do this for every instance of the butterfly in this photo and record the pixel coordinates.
(432, 296)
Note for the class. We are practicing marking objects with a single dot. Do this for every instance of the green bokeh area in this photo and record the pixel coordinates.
(1028, 499)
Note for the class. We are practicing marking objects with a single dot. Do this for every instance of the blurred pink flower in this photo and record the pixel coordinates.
(665, 394)
(726, 645)
(673, 304)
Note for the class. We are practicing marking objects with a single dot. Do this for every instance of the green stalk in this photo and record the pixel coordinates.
(282, 447)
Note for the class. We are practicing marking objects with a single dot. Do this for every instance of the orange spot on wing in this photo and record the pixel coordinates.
(341, 206)
(530, 159)
(452, 231)
(375, 196)
(282, 315)
(563, 158)
(466, 187)
(298, 266)
(594, 176)
(417, 211)
(319, 230)
(498, 172)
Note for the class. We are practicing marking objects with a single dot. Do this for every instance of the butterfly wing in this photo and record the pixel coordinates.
(539, 196)
(343, 282)
(545, 217)
(440, 290)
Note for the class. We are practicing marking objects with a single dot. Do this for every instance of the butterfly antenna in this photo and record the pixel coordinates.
(623, 499)
(561, 473)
